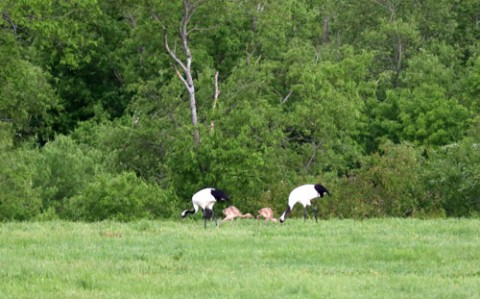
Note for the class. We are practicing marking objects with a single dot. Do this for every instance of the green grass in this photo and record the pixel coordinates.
(378, 258)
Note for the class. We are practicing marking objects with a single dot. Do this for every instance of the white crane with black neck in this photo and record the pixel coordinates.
(304, 195)
(205, 199)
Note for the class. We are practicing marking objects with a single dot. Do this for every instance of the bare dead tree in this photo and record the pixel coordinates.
(215, 99)
(217, 91)
(326, 21)
(7, 19)
(184, 68)
(315, 147)
(285, 99)
(399, 55)
(390, 6)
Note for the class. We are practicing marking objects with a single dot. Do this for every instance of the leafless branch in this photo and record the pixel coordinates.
(118, 75)
(196, 3)
(184, 34)
(388, 5)
(316, 146)
(156, 17)
(132, 20)
(195, 28)
(180, 76)
(317, 56)
(286, 97)
(7, 18)
(185, 71)
(217, 91)
(8, 120)
(135, 120)
(172, 54)
(215, 99)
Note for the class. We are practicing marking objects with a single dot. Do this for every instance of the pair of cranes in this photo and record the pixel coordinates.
(206, 198)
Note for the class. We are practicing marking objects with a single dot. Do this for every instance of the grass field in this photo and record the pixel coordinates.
(377, 258)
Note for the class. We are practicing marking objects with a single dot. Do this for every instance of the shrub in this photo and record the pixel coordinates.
(19, 200)
(389, 184)
(63, 170)
(120, 197)
(453, 175)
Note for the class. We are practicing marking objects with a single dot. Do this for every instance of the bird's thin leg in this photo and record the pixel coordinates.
(214, 217)
(205, 216)
(305, 213)
(315, 213)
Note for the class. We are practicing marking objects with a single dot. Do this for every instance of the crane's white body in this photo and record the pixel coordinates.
(303, 195)
(205, 199)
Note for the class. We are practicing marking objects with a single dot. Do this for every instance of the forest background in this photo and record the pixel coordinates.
(379, 100)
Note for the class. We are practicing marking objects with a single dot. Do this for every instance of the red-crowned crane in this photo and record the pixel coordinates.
(304, 195)
(205, 199)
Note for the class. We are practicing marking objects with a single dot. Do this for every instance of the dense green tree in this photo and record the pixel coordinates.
(471, 86)
(370, 97)
(75, 42)
(453, 176)
(326, 111)
(421, 110)
(28, 102)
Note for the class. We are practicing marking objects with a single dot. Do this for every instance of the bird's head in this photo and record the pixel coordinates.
(220, 195)
(321, 190)
(284, 215)
(184, 213)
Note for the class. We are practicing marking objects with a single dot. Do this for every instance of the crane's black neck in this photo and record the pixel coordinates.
(219, 195)
(186, 212)
(321, 190)
(284, 215)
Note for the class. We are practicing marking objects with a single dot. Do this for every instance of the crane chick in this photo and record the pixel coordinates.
(266, 213)
(304, 195)
(233, 212)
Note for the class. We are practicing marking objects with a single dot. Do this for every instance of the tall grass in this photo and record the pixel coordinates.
(379, 258)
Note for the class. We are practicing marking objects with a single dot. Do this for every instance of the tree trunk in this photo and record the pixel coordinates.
(183, 69)
(325, 30)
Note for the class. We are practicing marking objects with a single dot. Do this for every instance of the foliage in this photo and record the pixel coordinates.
(326, 111)
(63, 169)
(453, 175)
(370, 98)
(386, 185)
(19, 199)
(122, 197)
(27, 100)
(421, 111)
(471, 84)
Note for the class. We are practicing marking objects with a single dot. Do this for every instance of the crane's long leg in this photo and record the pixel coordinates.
(205, 216)
(315, 213)
(305, 213)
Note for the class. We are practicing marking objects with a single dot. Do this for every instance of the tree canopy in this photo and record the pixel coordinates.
(377, 99)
